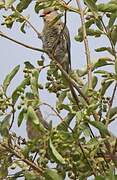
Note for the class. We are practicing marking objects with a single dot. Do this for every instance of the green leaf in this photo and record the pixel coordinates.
(64, 106)
(31, 176)
(101, 49)
(92, 6)
(113, 112)
(34, 82)
(21, 117)
(116, 65)
(90, 32)
(79, 116)
(94, 83)
(32, 116)
(100, 126)
(52, 174)
(17, 175)
(89, 23)
(1, 5)
(105, 86)
(102, 62)
(66, 122)
(40, 62)
(4, 125)
(62, 96)
(19, 89)
(107, 7)
(23, 27)
(114, 35)
(23, 5)
(8, 3)
(103, 72)
(96, 64)
(112, 19)
(55, 154)
(38, 7)
(112, 2)
(93, 107)
(100, 178)
(9, 78)
(28, 65)
(3, 171)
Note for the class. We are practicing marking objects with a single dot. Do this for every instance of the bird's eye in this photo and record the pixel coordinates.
(43, 15)
(48, 12)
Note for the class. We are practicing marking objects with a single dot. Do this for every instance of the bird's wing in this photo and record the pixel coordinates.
(68, 44)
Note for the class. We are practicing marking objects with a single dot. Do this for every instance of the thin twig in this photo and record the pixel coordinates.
(86, 44)
(13, 117)
(52, 110)
(110, 105)
(57, 114)
(20, 43)
(28, 22)
(67, 7)
(69, 2)
(33, 159)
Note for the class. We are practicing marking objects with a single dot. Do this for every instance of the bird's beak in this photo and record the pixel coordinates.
(42, 15)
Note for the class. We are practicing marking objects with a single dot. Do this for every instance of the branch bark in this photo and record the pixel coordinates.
(20, 43)
(86, 44)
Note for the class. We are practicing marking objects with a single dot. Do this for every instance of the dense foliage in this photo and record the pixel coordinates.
(65, 151)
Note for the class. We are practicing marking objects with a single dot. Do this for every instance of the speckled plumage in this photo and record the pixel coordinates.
(53, 38)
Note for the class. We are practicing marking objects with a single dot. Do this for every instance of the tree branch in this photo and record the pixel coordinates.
(28, 162)
(110, 104)
(62, 120)
(86, 44)
(20, 43)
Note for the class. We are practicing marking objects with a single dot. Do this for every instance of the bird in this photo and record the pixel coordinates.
(56, 38)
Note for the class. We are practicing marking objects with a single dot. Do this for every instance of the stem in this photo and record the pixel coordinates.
(86, 44)
(20, 43)
(13, 117)
(57, 115)
(33, 159)
(67, 7)
(38, 34)
(110, 105)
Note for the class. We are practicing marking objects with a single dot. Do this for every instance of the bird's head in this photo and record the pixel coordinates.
(49, 14)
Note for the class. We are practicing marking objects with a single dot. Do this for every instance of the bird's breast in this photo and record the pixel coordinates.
(49, 37)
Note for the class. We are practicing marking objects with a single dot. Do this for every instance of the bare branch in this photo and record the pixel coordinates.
(20, 43)
(86, 44)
